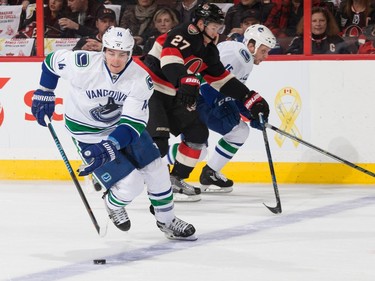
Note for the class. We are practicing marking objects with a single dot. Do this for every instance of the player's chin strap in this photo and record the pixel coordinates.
(208, 36)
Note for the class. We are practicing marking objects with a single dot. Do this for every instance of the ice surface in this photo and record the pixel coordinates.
(326, 232)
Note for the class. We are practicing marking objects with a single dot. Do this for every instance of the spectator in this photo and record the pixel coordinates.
(82, 20)
(24, 3)
(249, 17)
(324, 33)
(186, 9)
(105, 18)
(235, 14)
(164, 20)
(55, 10)
(278, 16)
(138, 19)
(294, 16)
(355, 12)
(124, 4)
(284, 17)
(353, 37)
(369, 46)
(332, 6)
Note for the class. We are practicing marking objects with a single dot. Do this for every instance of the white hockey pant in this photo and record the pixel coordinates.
(228, 145)
(156, 177)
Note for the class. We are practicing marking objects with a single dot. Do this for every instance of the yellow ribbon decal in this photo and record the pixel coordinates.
(48, 45)
(288, 105)
(2, 43)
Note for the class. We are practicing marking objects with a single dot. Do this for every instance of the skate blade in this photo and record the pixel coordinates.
(189, 238)
(215, 189)
(180, 197)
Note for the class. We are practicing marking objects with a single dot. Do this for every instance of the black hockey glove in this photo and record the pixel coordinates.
(188, 91)
(255, 104)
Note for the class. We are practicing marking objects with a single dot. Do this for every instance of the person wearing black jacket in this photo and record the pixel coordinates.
(104, 19)
(324, 35)
(81, 21)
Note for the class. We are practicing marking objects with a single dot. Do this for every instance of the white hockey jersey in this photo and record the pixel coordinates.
(236, 58)
(97, 100)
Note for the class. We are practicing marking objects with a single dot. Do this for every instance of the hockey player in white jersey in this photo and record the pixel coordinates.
(106, 112)
(222, 114)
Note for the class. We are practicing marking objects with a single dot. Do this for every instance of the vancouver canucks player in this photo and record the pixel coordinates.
(106, 112)
(222, 114)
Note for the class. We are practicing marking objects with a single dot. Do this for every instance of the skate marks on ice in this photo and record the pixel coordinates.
(204, 239)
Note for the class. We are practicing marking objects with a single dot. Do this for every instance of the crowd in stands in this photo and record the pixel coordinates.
(337, 27)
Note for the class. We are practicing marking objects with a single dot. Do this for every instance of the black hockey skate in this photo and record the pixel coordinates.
(214, 182)
(184, 192)
(119, 218)
(178, 230)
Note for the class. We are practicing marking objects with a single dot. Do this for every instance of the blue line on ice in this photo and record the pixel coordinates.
(203, 239)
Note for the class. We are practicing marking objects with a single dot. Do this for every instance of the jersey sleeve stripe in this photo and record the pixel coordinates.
(137, 125)
(48, 62)
(171, 55)
(218, 82)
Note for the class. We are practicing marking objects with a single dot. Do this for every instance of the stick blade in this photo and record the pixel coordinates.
(275, 210)
(103, 230)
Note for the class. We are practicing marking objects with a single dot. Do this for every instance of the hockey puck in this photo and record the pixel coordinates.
(102, 261)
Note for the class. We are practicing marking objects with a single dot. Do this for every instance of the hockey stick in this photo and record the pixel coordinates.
(277, 209)
(102, 232)
(367, 172)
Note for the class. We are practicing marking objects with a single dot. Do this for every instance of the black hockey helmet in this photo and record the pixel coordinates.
(209, 13)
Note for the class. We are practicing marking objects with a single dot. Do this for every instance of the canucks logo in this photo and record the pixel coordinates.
(106, 177)
(106, 113)
(82, 59)
(245, 54)
(149, 82)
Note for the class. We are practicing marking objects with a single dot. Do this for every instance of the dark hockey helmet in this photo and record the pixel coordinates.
(209, 13)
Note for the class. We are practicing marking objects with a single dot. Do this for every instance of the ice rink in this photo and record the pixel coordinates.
(326, 232)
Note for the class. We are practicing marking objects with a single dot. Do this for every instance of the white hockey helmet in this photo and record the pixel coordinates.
(261, 35)
(118, 38)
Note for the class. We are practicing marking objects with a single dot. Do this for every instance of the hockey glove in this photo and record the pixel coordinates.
(96, 155)
(226, 110)
(43, 104)
(255, 104)
(188, 91)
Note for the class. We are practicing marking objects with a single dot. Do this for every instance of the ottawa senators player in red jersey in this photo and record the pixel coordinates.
(172, 62)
